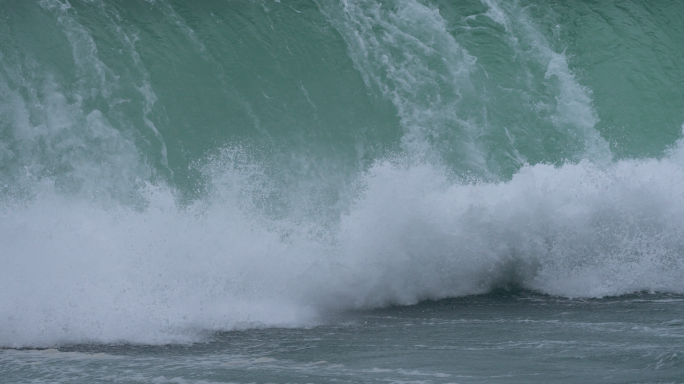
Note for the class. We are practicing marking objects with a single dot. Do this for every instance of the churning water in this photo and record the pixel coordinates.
(341, 190)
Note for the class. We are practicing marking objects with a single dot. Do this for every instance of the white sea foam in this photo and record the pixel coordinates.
(75, 272)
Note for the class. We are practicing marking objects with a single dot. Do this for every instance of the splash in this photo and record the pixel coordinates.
(75, 272)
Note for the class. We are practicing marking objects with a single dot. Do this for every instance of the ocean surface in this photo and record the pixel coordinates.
(314, 191)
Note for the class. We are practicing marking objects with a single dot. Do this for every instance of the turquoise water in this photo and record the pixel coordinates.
(276, 191)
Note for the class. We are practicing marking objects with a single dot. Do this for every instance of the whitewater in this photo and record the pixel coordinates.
(222, 184)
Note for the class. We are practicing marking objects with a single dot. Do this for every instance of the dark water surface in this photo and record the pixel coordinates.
(503, 337)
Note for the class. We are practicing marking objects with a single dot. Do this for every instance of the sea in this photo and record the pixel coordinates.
(341, 191)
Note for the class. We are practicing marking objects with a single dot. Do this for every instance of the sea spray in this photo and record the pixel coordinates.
(76, 272)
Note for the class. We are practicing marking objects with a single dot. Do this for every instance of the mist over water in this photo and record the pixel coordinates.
(170, 169)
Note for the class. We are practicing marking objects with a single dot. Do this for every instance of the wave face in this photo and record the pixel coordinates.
(170, 168)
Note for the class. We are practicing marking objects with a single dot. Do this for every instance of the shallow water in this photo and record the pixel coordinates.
(503, 337)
